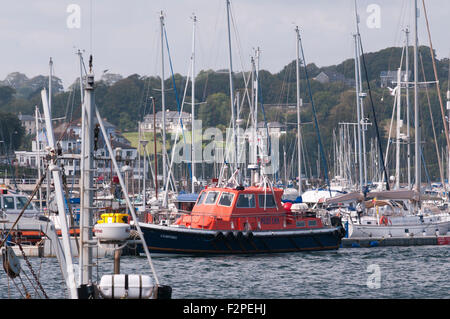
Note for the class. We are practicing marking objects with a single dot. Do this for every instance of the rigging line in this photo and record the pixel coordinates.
(390, 130)
(269, 144)
(397, 36)
(236, 35)
(441, 171)
(392, 118)
(324, 160)
(425, 167)
(90, 25)
(177, 98)
(373, 114)
(436, 75)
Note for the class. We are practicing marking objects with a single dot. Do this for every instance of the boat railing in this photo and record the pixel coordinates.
(171, 217)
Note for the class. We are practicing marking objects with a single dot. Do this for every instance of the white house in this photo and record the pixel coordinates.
(172, 122)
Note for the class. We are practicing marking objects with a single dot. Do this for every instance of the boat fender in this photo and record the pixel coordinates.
(240, 235)
(374, 243)
(385, 221)
(249, 235)
(229, 235)
(219, 235)
(11, 263)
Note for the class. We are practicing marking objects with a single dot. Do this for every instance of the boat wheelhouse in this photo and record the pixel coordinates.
(249, 209)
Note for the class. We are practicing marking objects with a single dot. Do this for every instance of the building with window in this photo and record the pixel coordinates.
(172, 122)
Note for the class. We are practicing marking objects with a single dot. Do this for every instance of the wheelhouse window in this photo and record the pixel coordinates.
(8, 202)
(266, 200)
(21, 202)
(300, 224)
(312, 223)
(226, 199)
(201, 198)
(211, 198)
(246, 201)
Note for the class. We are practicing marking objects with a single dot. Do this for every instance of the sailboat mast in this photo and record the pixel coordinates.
(50, 85)
(362, 121)
(416, 106)
(358, 100)
(358, 115)
(38, 145)
(233, 117)
(299, 134)
(397, 146)
(193, 103)
(163, 103)
(408, 109)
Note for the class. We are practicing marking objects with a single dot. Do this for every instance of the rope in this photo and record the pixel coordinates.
(322, 153)
(447, 137)
(441, 171)
(31, 270)
(374, 115)
(176, 96)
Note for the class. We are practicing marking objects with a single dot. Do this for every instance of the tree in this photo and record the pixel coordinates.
(216, 110)
(6, 95)
(11, 131)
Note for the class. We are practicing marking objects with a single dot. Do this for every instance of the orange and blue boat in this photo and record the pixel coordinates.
(243, 220)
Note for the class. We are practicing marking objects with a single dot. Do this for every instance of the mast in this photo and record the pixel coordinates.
(299, 134)
(38, 145)
(154, 148)
(193, 103)
(397, 146)
(408, 110)
(358, 114)
(50, 115)
(363, 122)
(87, 175)
(139, 158)
(358, 85)
(144, 178)
(50, 63)
(163, 103)
(416, 107)
(233, 117)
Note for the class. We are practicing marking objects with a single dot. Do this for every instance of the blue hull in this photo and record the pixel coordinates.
(174, 240)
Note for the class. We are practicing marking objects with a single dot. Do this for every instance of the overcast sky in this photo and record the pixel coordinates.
(124, 35)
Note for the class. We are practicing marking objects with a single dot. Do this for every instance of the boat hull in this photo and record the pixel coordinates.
(180, 240)
(427, 229)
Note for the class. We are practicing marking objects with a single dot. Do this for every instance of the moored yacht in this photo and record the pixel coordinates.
(238, 220)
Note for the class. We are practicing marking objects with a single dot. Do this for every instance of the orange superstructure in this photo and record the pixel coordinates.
(244, 209)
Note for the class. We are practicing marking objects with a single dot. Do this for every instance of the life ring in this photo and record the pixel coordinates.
(385, 221)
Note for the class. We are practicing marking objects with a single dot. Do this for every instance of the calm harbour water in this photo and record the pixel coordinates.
(404, 272)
